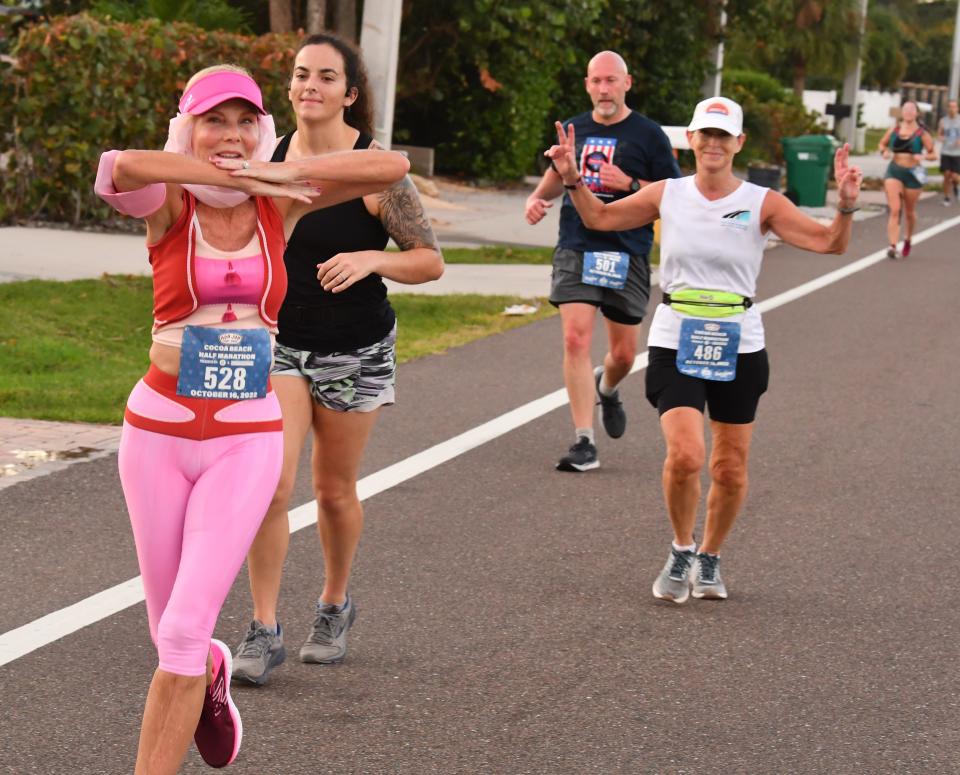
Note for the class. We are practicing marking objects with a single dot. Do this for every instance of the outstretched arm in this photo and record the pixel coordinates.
(136, 169)
(784, 218)
(627, 213)
(340, 176)
(146, 184)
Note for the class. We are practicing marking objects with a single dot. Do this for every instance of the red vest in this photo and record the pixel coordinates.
(174, 267)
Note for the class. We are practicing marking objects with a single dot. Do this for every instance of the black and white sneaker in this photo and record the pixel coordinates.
(582, 456)
(611, 408)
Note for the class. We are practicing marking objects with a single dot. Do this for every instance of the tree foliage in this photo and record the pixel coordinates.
(928, 48)
(123, 86)
(884, 62)
(793, 39)
(478, 83)
(484, 83)
(770, 113)
(208, 14)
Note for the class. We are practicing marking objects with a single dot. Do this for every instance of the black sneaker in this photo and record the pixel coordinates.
(611, 409)
(582, 456)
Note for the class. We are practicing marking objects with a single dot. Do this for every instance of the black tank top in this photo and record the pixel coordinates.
(912, 144)
(321, 321)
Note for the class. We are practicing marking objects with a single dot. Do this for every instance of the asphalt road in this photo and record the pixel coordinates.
(506, 623)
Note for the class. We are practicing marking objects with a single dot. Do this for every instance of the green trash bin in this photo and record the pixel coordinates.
(809, 159)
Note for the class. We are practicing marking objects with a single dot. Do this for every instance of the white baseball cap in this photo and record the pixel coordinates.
(718, 113)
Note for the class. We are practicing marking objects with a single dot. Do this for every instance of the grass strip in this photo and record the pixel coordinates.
(511, 254)
(71, 351)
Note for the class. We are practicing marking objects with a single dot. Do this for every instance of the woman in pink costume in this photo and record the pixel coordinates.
(202, 444)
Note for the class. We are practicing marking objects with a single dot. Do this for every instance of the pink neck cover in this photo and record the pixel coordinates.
(205, 94)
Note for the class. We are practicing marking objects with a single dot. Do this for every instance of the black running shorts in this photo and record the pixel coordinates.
(733, 402)
(949, 163)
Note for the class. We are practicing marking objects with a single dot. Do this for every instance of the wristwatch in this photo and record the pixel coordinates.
(634, 185)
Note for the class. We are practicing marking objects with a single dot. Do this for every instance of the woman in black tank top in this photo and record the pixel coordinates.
(335, 354)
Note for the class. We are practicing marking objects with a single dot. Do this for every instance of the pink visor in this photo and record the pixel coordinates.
(219, 87)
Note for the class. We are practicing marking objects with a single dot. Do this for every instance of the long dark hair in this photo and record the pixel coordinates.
(359, 115)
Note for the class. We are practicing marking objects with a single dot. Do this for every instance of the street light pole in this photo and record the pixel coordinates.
(851, 87)
(380, 43)
(955, 57)
(713, 81)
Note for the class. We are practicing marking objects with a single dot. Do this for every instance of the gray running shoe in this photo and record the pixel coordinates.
(673, 583)
(260, 652)
(582, 456)
(706, 577)
(611, 409)
(327, 642)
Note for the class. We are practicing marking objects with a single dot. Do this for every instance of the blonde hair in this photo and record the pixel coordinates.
(226, 68)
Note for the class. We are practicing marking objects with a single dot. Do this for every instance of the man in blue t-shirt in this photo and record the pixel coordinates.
(620, 151)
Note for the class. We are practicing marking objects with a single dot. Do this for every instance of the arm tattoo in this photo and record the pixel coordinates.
(403, 218)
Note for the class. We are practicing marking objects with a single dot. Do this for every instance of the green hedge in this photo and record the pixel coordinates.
(83, 85)
(485, 88)
(480, 84)
(770, 112)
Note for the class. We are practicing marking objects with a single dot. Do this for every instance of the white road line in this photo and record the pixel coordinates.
(47, 629)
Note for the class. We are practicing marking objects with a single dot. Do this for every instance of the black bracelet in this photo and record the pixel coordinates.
(847, 210)
(573, 186)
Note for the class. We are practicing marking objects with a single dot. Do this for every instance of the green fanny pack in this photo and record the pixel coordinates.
(707, 304)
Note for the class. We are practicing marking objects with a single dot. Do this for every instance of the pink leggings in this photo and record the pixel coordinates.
(195, 507)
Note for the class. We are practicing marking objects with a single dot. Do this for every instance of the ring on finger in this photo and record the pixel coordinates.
(245, 165)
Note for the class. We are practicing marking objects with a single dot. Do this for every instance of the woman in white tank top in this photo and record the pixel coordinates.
(706, 340)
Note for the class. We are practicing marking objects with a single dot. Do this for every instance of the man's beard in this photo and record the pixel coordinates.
(606, 109)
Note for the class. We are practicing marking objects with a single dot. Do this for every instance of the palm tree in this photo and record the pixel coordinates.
(824, 36)
(794, 38)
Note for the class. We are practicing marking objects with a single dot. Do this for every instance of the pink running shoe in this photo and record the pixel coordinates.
(906, 248)
(219, 730)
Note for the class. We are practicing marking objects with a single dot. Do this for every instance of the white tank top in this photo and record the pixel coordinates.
(715, 246)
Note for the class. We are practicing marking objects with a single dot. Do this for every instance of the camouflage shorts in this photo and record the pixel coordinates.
(354, 381)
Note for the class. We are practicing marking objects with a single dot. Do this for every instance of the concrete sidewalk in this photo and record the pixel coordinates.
(58, 254)
(462, 216)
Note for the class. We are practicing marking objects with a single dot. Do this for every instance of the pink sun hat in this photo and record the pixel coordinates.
(210, 91)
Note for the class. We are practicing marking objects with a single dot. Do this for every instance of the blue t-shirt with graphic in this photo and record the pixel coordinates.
(639, 147)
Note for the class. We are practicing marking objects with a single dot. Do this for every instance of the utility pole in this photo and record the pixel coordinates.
(851, 88)
(714, 80)
(955, 57)
(380, 42)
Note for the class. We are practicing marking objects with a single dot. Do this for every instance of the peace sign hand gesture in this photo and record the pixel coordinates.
(848, 178)
(563, 154)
